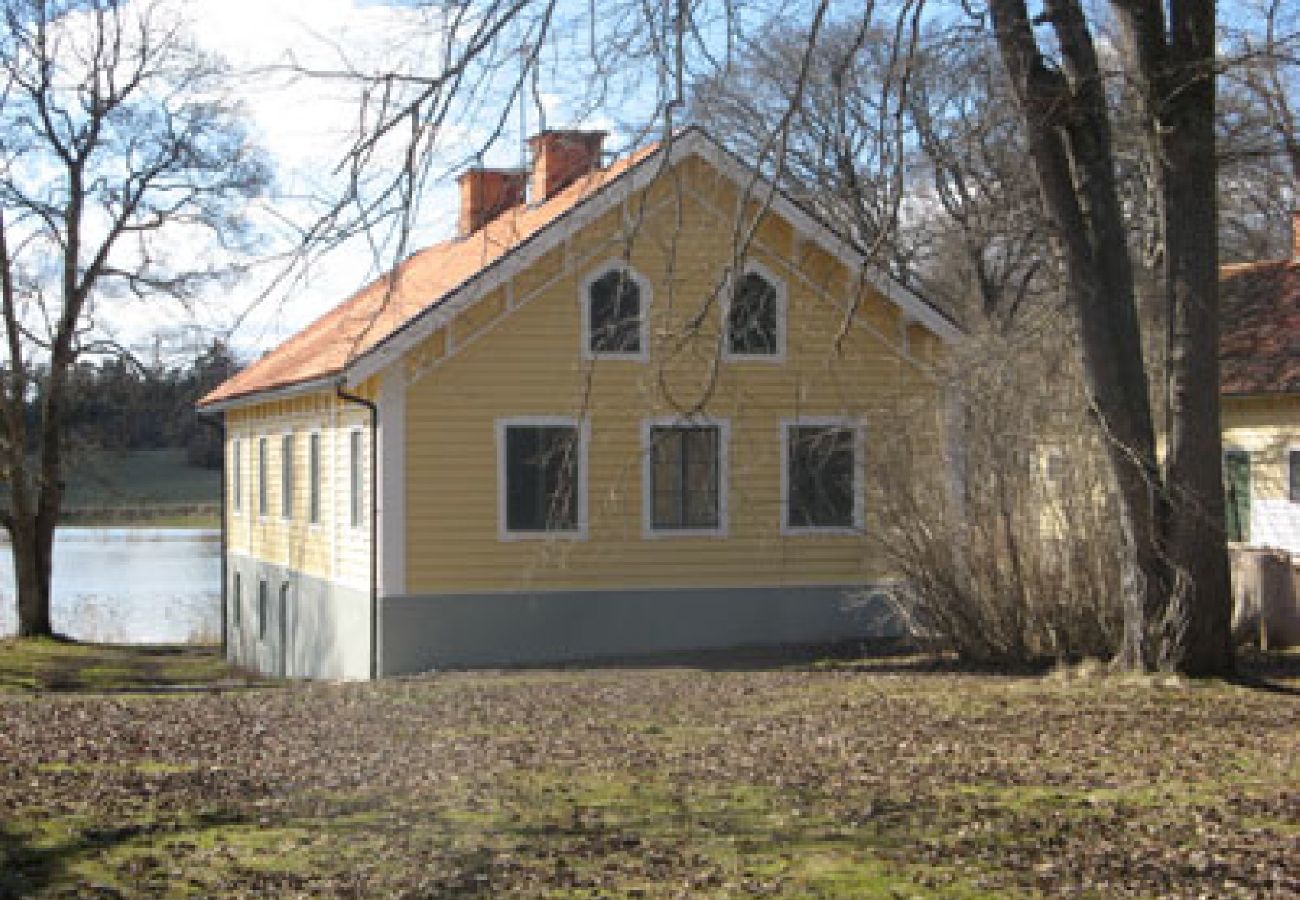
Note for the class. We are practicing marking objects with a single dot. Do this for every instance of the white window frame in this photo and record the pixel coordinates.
(754, 267)
(287, 485)
(583, 427)
(263, 489)
(723, 426)
(314, 492)
(357, 511)
(859, 429)
(584, 304)
(236, 479)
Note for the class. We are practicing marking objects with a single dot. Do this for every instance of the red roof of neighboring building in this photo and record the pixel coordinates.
(1259, 344)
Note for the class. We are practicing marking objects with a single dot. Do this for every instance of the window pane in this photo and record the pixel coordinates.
(313, 478)
(684, 477)
(821, 469)
(752, 318)
(261, 609)
(286, 476)
(261, 476)
(1295, 475)
(615, 314)
(541, 478)
(354, 478)
(236, 600)
(236, 486)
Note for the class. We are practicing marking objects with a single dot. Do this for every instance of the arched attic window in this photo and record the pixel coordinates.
(756, 316)
(614, 323)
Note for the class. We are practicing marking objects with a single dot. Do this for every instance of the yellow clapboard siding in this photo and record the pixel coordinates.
(1268, 427)
(330, 549)
(530, 364)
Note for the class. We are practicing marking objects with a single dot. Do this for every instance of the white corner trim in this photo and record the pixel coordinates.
(583, 427)
(648, 531)
(754, 267)
(646, 294)
(391, 472)
(853, 423)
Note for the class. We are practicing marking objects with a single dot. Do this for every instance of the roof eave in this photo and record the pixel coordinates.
(314, 385)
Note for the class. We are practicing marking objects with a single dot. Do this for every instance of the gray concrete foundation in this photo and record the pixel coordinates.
(419, 633)
(313, 628)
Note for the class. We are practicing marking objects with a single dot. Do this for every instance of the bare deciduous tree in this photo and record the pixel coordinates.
(121, 159)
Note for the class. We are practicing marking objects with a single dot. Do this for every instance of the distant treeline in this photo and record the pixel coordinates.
(121, 404)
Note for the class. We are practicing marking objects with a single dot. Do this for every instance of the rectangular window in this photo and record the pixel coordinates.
(263, 601)
(542, 468)
(313, 478)
(355, 480)
(236, 481)
(286, 476)
(685, 482)
(823, 485)
(236, 600)
(1293, 466)
(261, 476)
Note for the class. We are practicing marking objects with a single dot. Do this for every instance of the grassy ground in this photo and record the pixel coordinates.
(892, 779)
(42, 665)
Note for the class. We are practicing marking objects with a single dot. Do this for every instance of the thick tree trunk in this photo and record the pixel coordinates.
(1066, 120)
(1197, 635)
(32, 544)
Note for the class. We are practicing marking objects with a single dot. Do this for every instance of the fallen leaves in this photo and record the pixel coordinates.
(657, 783)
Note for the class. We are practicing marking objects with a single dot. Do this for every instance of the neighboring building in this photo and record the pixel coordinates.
(514, 399)
(1260, 355)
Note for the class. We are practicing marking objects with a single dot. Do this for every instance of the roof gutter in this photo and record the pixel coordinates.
(373, 408)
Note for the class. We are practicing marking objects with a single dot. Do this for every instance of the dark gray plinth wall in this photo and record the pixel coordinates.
(418, 633)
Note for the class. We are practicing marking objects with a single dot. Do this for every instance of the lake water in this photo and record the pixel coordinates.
(129, 585)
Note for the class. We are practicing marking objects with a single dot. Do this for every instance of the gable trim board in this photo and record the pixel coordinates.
(694, 141)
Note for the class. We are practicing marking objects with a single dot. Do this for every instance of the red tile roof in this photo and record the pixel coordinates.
(1259, 347)
(325, 347)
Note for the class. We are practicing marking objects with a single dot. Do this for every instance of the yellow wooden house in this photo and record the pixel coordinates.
(1260, 359)
(628, 409)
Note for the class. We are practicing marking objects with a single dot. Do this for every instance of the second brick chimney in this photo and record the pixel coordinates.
(486, 194)
(561, 158)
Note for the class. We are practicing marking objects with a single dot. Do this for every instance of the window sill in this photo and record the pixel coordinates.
(822, 531)
(512, 536)
(764, 358)
(655, 534)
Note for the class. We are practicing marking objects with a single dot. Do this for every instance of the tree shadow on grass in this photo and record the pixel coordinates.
(29, 866)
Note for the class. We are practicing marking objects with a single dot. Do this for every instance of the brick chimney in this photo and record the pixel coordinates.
(1295, 236)
(486, 194)
(561, 158)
